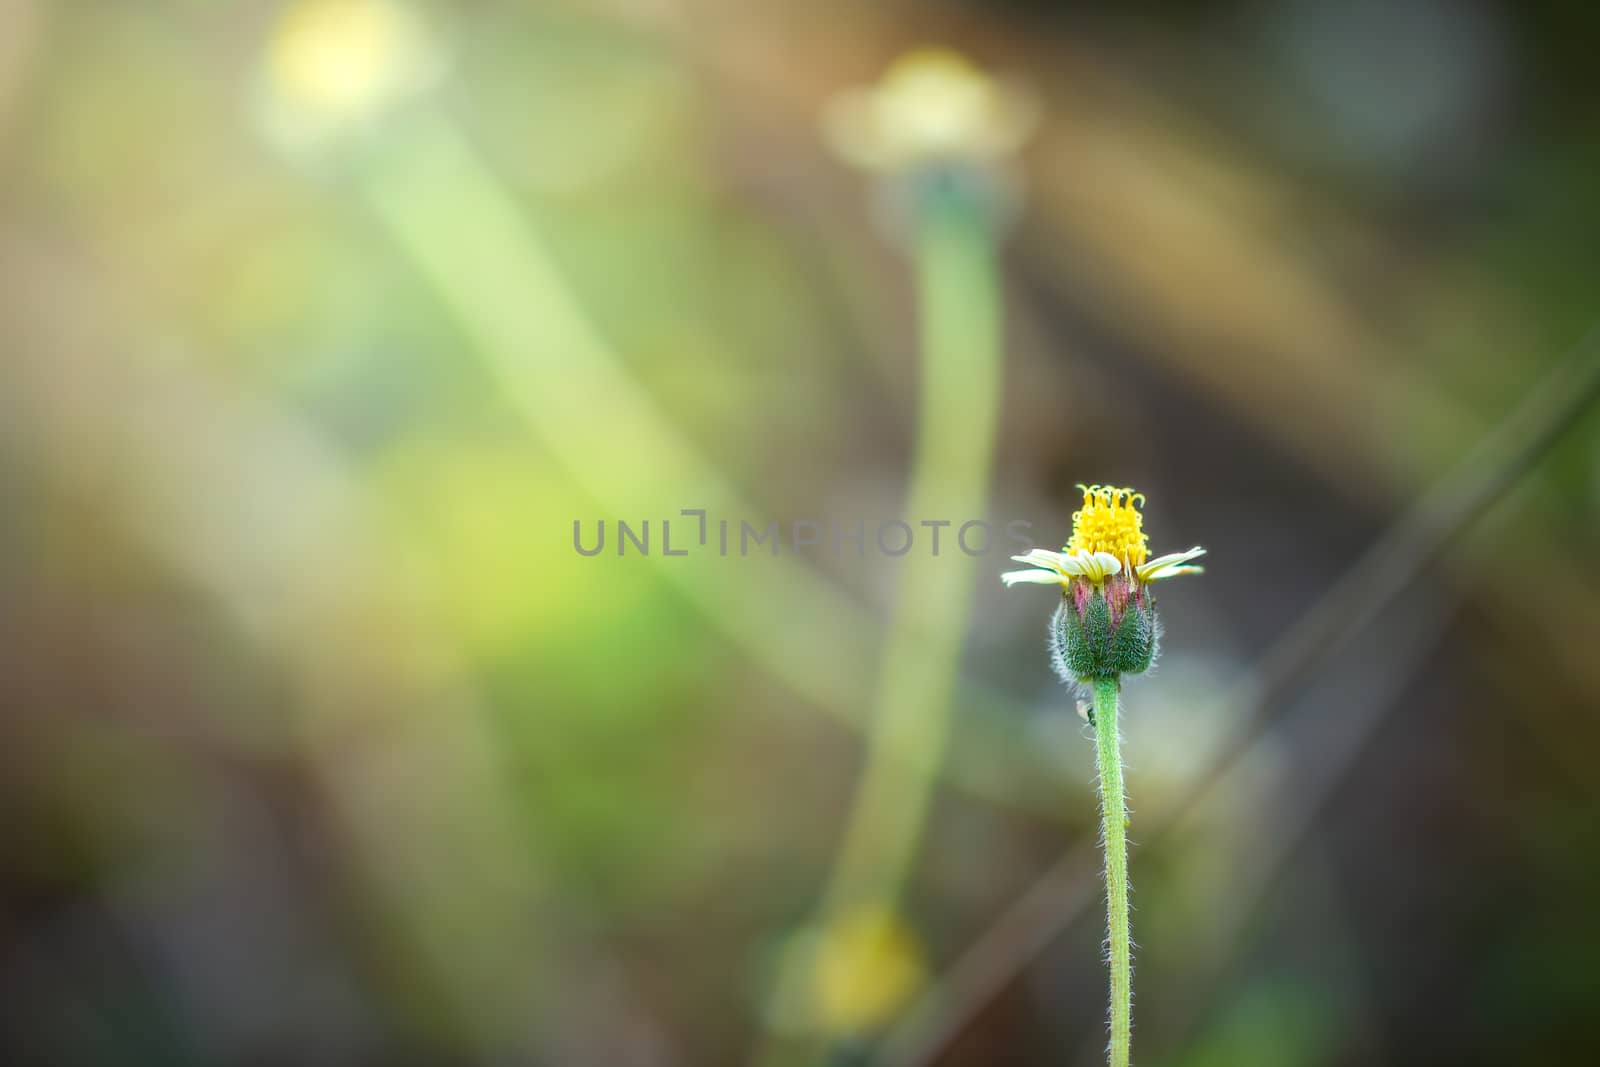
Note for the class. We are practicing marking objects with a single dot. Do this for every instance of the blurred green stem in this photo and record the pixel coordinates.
(461, 227)
(958, 293)
(1114, 814)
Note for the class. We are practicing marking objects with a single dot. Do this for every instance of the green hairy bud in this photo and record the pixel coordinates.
(1102, 632)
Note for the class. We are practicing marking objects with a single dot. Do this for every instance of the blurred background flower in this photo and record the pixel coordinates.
(323, 321)
(333, 64)
(931, 105)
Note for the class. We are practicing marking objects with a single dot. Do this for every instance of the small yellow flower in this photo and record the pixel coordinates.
(1108, 539)
(1106, 624)
(932, 106)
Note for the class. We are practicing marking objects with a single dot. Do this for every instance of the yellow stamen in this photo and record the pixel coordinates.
(1109, 521)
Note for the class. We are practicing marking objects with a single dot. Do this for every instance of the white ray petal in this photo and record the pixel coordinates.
(1096, 566)
(1030, 577)
(1165, 566)
(1074, 563)
(1176, 557)
(1040, 557)
(1108, 563)
(1173, 572)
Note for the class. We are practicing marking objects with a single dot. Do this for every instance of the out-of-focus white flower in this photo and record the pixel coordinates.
(931, 107)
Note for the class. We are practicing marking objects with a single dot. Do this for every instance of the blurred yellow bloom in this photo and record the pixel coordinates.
(867, 964)
(333, 64)
(932, 106)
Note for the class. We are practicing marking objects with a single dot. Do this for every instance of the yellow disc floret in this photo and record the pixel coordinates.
(1109, 521)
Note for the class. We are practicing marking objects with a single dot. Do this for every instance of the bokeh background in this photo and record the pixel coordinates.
(320, 325)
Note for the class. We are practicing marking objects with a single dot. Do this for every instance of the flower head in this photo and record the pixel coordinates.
(1108, 539)
(1106, 625)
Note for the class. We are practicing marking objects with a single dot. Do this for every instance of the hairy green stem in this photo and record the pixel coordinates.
(1114, 814)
